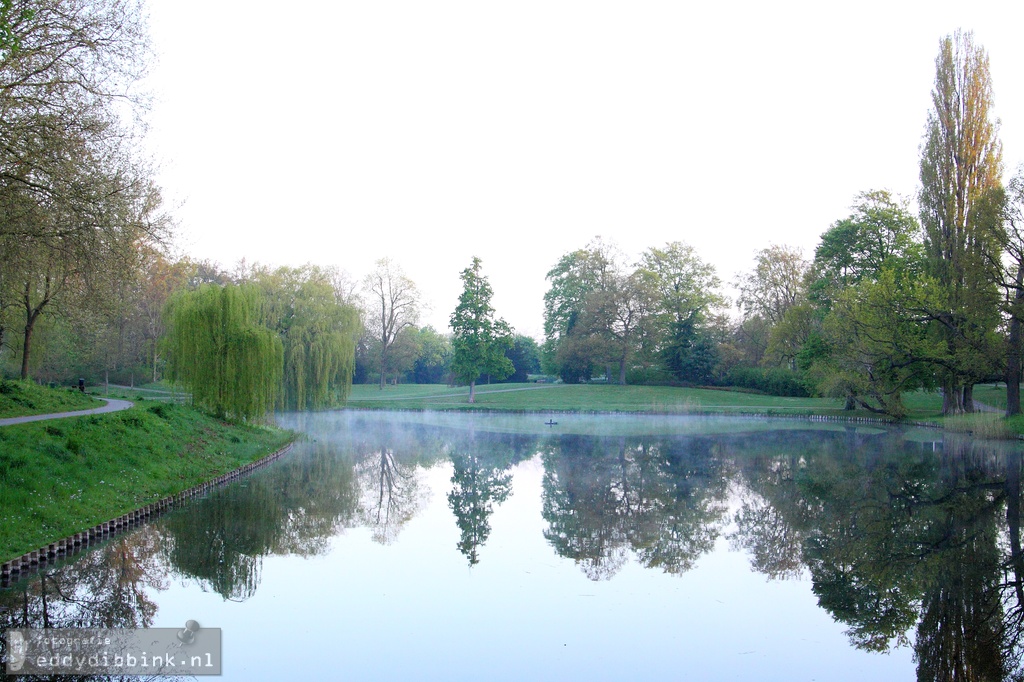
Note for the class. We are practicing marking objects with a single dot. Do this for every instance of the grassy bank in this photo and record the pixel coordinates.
(62, 476)
(23, 398)
(611, 398)
(921, 405)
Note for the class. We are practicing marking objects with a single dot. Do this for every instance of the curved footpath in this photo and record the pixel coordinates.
(111, 406)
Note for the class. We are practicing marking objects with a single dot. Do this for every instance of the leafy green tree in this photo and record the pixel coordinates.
(1010, 273)
(318, 333)
(525, 358)
(846, 337)
(874, 345)
(618, 318)
(686, 291)
(774, 289)
(879, 232)
(961, 166)
(230, 363)
(76, 199)
(575, 357)
(568, 349)
(434, 358)
(479, 341)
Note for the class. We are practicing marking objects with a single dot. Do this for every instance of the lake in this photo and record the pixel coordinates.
(429, 546)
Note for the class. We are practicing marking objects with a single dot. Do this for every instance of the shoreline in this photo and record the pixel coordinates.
(30, 562)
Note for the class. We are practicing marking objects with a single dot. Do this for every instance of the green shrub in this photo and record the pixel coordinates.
(773, 381)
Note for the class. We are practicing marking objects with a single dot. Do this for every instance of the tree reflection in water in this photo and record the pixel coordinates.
(899, 536)
(295, 508)
(661, 499)
(105, 588)
(390, 494)
(482, 480)
(905, 542)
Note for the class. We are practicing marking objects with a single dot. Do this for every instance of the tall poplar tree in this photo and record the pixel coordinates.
(479, 341)
(961, 165)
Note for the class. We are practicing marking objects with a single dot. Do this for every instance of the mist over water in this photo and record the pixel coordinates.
(418, 545)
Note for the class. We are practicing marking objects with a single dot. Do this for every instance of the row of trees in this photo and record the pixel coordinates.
(278, 338)
(393, 348)
(79, 212)
(657, 317)
(890, 302)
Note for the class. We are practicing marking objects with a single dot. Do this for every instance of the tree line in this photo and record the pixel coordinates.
(892, 300)
(79, 210)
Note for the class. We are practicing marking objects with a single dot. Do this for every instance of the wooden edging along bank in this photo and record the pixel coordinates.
(36, 559)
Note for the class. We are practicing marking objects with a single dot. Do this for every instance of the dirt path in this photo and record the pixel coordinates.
(111, 406)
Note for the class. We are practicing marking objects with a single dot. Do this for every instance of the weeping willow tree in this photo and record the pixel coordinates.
(218, 350)
(318, 330)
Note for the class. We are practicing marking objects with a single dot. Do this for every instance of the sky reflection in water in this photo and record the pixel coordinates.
(419, 546)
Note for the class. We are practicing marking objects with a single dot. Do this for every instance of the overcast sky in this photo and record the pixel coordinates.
(431, 131)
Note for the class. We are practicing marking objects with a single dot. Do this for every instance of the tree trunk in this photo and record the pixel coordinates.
(622, 371)
(1013, 522)
(1013, 350)
(952, 398)
(851, 403)
(1013, 370)
(472, 391)
(31, 315)
(26, 345)
(968, 397)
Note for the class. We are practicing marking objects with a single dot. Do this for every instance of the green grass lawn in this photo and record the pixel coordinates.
(22, 398)
(160, 391)
(611, 398)
(60, 477)
(991, 394)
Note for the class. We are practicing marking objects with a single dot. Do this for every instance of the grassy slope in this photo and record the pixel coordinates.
(598, 398)
(21, 398)
(62, 476)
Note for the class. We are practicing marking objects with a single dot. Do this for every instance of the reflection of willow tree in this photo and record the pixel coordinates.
(481, 481)
(295, 507)
(105, 588)
(662, 498)
(221, 540)
(895, 535)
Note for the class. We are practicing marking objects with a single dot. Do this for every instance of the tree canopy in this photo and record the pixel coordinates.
(230, 363)
(479, 339)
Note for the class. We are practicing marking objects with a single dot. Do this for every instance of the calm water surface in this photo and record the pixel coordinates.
(405, 546)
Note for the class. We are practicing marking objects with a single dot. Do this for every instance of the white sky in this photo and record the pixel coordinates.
(432, 131)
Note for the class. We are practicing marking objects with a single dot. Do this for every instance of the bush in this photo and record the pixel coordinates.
(774, 381)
